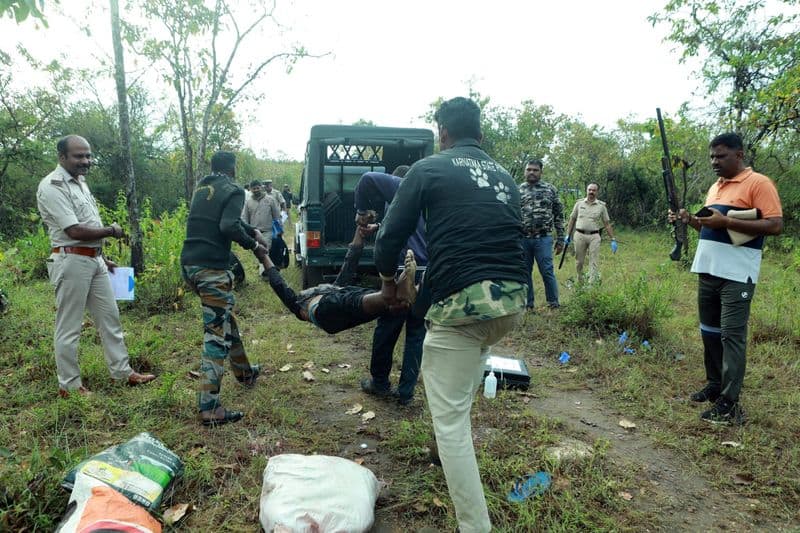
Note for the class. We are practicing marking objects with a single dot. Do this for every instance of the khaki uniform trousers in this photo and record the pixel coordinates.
(82, 282)
(453, 358)
(587, 245)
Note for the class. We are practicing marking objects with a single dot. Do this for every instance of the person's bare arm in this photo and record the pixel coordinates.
(607, 225)
(764, 226)
(84, 232)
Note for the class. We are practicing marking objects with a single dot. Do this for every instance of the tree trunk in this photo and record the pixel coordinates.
(137, 252)
(189, 180)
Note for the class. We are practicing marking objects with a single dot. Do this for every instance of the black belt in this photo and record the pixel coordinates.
(595, 232)
(532, 235)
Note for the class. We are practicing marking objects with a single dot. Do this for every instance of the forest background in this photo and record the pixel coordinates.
(750, 74)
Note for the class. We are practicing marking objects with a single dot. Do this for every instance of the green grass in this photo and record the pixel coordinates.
(42, 436)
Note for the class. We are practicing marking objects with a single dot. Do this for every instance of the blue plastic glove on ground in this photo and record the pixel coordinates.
(613, 246)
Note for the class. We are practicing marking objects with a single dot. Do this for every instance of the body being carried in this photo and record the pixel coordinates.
(339, 306)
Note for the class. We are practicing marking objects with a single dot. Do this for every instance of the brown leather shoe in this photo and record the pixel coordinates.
(139, 379)
(83, 391)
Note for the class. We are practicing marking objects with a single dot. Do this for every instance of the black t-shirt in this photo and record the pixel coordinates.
(471, 208)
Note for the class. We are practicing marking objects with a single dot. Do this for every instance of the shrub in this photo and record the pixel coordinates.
(637, 307)
(26, 260)
(160, 286)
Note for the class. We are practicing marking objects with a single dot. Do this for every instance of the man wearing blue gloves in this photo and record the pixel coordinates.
(588, 217)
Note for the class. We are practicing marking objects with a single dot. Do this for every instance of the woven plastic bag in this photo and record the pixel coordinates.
(317, 494)
(142, 469)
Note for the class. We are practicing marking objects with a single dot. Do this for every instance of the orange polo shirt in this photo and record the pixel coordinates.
(716, 254)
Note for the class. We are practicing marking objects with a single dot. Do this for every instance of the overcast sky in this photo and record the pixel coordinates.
(388, 61)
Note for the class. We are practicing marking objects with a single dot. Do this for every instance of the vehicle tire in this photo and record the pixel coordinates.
(312, 276)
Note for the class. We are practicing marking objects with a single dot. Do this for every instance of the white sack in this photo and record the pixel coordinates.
(317, 494)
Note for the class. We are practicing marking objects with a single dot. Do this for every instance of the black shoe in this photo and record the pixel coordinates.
(709, 393)
(401, 400)
(226, 418)
(368, 386)
(250, 381)
(724, 412)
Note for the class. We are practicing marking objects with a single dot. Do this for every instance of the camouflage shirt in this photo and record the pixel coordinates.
(541, 209)
(480, 301)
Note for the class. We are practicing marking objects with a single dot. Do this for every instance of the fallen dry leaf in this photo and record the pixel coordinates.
(421, 508)
(194, 452)
(571, 370)
(561, 483)
(285, 368)
(343, 365)
(176, 512)
(354, 410)
(289, 347)
(308, 365)
(627, 424)
(308, 376)
(369, 415)
(627, 496)
(437, 502)
(359, 460)
(325, 371)
(732, 444)
(526, 400)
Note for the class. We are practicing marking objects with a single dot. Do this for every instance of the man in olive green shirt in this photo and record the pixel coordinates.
(588, 217)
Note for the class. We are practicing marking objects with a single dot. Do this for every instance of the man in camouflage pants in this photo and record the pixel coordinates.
(476, 275)
(541, 211)
(213, 223)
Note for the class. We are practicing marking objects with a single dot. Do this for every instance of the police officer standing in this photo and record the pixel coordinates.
(588, 217)
(541, 211)
(78, 270)
(275, 194)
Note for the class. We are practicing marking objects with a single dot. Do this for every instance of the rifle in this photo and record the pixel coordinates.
(563, 255)
(681, 238)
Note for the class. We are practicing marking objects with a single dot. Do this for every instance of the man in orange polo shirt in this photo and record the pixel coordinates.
(728, 265)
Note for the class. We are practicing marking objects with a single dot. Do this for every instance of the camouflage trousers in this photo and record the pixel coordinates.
(221, 338)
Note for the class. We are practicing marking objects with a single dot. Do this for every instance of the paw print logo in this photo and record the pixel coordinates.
(479, 177)
(502, 192)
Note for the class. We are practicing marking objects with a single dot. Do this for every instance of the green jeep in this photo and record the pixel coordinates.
(336, 157)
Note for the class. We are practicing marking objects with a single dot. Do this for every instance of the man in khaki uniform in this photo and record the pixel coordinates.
(77, 268)
(588, 216)
(275, 194)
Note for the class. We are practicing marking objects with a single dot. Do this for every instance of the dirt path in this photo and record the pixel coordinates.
(665, 484)
(669, 486)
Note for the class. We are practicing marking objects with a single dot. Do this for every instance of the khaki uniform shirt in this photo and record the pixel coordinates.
(278, 196)
(261, 213)
(589, 216)
(64, 201)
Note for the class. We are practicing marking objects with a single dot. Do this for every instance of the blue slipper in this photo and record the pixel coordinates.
(529, 485)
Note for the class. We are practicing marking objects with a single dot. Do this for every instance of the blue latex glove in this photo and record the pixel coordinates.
(566, 241)
(613, 246)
